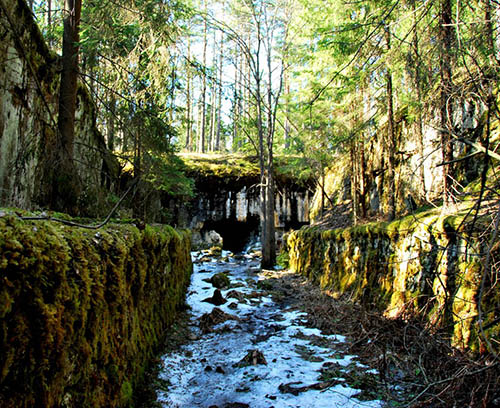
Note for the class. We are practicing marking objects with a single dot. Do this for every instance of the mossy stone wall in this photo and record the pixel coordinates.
(82, 312)
(418, 266)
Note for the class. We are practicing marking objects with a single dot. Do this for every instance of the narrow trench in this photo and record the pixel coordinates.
(253, 349)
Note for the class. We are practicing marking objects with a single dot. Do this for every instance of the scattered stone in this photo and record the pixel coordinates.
(220, 280)
(260, 338)
(215, 251)
(290, 389)
(240, 297)
(236, 405)
(253, 357)
(253, 295)
(217, 299)
(236, 285)
(208, 368)
(215, 317)
(220, 370)
(233, 306)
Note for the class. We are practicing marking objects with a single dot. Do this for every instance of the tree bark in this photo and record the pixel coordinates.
(391, 140)
(201, 147)
(446, 108)
(219, 96)
(66, 187)
(418, 88)
(189, 127)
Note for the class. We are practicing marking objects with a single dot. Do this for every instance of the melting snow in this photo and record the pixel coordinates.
(206, 373)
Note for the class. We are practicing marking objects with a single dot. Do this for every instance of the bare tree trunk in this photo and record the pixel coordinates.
(287, 112)
(65, 181)
(391, 140)
(418, 88)
(354, 183)
(189, 126)
(213, 99)
(362, 180)
(236, 116)
(111, 123)
(49, 20)
(446, 108)
(219, 96)
(201, 147)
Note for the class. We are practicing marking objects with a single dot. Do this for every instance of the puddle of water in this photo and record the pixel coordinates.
(206, 373)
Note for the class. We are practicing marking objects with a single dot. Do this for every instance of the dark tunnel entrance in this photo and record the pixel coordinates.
(235, 234)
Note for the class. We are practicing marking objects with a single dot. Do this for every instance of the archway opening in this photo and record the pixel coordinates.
(235, 234)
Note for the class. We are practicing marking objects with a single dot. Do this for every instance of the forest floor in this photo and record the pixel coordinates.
(376, 361)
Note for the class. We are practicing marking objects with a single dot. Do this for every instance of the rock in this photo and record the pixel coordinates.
(215, 317)
(205, 239)
(233, 306)
(213, 238)
(215, 251)
(217, 299)
(220, 280)
(234, 294)
(253, 357)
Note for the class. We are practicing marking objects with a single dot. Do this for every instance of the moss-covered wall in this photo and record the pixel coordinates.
(421, 265)
(29, 88)
(83, 311)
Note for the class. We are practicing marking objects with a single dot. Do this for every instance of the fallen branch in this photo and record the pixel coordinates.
(75, 224)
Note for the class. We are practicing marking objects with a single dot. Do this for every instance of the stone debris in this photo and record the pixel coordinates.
(253, 358)
(215, 317)
(216, 299)
(220, 280)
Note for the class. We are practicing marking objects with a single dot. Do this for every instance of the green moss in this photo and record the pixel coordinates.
(126, 393)
(288, 168)
(82, 312)
(406, 267)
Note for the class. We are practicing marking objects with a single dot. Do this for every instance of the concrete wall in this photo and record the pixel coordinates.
(29, 83)
(422, 266)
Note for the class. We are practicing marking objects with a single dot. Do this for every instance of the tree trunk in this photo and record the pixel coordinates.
(111, 122)
(418, 88)
(235, 107)
(66, 186)
(189, 125)
(219, 96)
(362, 180)
(391, 140)
(287, 113)
(354, 184)
(446, 108)
(201, 147)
